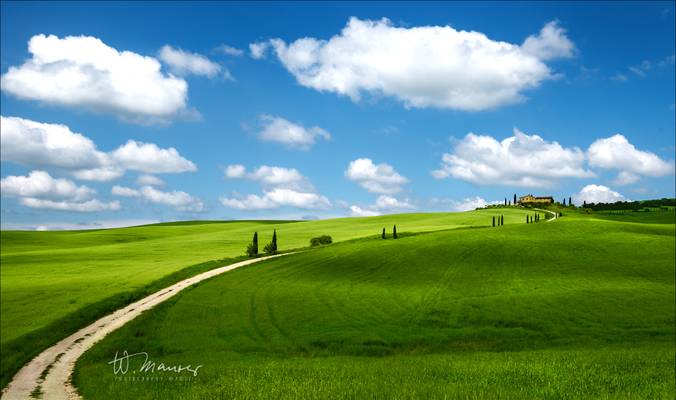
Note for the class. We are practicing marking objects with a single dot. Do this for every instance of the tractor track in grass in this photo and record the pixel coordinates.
(48, 374)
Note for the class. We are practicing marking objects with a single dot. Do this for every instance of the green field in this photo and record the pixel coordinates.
(53, 283)
(578, 308)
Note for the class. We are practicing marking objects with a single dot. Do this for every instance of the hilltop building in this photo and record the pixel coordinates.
(529, 198)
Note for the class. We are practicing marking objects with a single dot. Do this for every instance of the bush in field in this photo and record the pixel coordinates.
(269, 248)
(320, 240)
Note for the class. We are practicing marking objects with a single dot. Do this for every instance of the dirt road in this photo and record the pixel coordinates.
(48, 375)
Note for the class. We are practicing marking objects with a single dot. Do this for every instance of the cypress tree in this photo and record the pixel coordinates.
(510, 203)
(584, 203)
(564, 201)
(274, 241)
(255, 243)
(526, 218)
(394, 232)
(570, 201)
(502, 220)
(383, 233)
(494, 221)
(514, 198)
(505, 201)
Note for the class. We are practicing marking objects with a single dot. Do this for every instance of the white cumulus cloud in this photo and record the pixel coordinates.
(550, 43)
(384, 204)
(149, 180)
(470, 203)
(617, 153)
(178, 199)
(597, 194)
(149, 158)
(40, 145)
(92, 205)
(282, 187)
(41, 184)
(183, 62)
(389, 203)
(125, 191)
(380, 178)
(357, 211)
(278, 197)
(102, 174)
(40, 190)
(230, 50)
(269, 176)
(28, 142)
(82, 71)
(423, 66)
(280, 130)
(520, 160)
(257, 50)
(235, 171)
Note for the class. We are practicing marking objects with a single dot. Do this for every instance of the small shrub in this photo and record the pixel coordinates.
(270, 248)
(252, 250)
(320, 240)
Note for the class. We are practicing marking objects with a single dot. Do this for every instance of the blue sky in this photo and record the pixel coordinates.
(365, 116)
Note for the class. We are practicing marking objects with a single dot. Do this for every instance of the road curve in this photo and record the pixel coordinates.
(49, 372)
(556, 215)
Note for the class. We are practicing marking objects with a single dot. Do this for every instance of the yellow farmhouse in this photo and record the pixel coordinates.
(529, 198)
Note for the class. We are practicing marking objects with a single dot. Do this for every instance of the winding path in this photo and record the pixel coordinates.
(48, 374)
(556, 215)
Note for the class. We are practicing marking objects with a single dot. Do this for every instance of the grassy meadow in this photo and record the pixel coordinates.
(53, 283)
(578, 308)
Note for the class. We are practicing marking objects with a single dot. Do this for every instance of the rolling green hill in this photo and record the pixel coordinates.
(578, 308)
(53, 283)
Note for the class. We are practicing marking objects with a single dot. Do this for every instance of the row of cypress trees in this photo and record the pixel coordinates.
(500, 220)
(530, 219)
(270, 248)
(394, 233)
